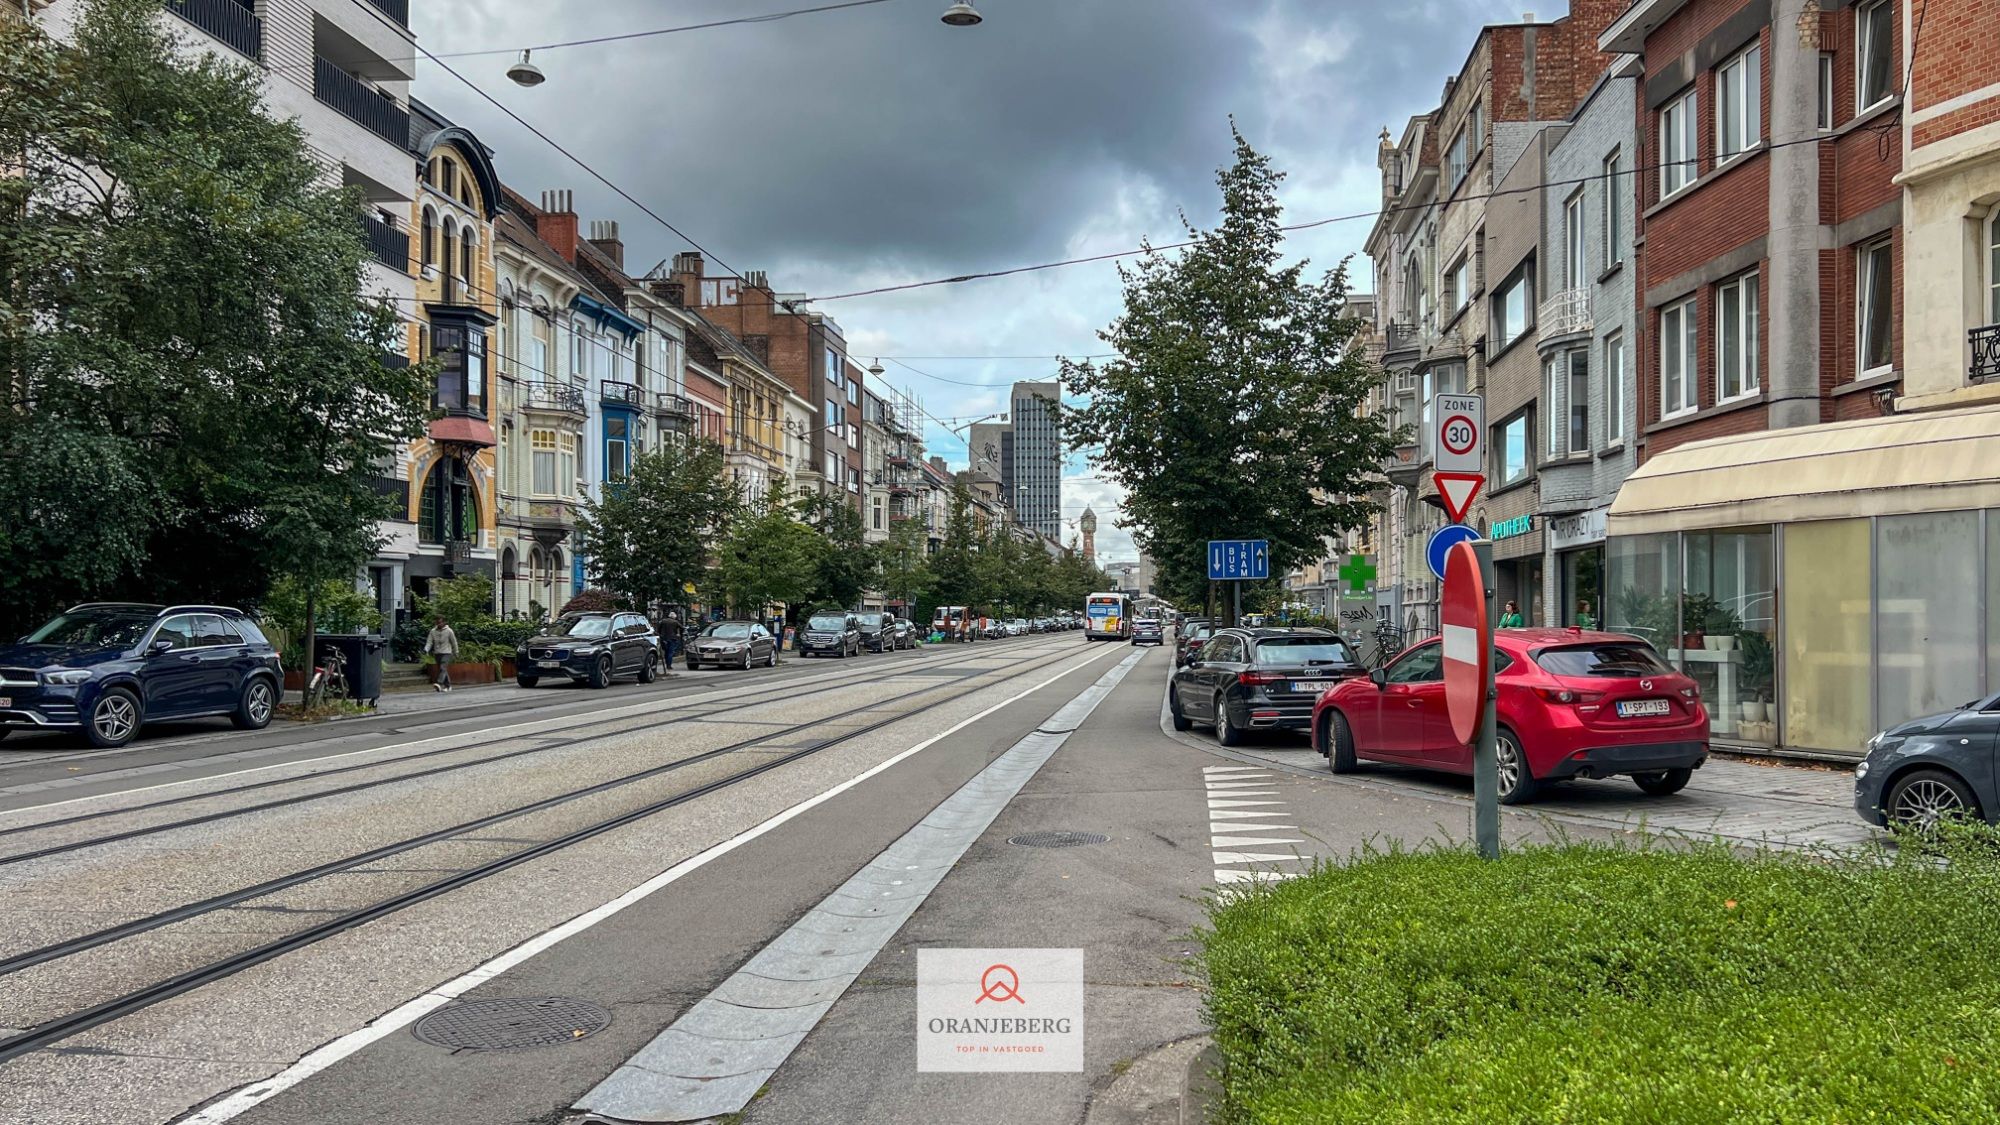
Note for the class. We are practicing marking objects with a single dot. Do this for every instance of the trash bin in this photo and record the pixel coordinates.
(362, 653)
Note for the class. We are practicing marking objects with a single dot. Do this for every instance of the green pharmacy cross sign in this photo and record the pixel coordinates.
(1358, 573)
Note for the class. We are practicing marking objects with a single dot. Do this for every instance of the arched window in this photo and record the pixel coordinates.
(466, 242)
(465, 189)
(450, 176)
(449, 261)
(430, 236)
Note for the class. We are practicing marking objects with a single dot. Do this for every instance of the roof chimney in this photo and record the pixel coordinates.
(556, 225)
(756, 279)
(604, 236)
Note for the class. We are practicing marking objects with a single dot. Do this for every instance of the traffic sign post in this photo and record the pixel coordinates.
(1238, 561)
(1442, 541)
(1466, 616)
(1458, 435)
(1456, 492)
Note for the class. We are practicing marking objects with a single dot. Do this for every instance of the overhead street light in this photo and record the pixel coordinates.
(525, 73)
(962, 14)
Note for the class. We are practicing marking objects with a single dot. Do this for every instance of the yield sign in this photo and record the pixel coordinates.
(1457, 491)
(1468, 642)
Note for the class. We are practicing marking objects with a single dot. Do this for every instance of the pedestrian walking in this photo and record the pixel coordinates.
(670, 634)
(1510, 616)
(442, 644)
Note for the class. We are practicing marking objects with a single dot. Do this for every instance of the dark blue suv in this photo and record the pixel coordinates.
(108, 668)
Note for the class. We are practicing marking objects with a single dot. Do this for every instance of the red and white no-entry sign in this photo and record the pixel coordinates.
(1468, 642)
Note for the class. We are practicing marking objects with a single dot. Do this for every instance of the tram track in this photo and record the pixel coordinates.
(56, 1029)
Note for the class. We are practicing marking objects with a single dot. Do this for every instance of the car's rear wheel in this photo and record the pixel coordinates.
(651, 670)
(114, 719)
(1339, 746)
(527, 681)
(1663, 783)
(1922, 799)
(600, 672)
(1174, 712)
(771, 661)
(1517, 781)
(254, 708)
(1226, 731)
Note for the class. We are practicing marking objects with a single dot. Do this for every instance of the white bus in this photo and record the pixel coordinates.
(1107, 617)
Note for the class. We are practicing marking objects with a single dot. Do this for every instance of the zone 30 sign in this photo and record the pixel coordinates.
(1460, 438)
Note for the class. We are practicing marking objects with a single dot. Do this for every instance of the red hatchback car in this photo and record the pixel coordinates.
(1571, 704)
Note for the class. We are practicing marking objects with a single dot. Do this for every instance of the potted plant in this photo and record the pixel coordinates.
(1759, 668)
(1695, 609)
(1720, 626)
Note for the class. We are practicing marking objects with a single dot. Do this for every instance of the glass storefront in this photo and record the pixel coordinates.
(1582, 592)
(1825, 607)
(1520, 582)
(1729, 621)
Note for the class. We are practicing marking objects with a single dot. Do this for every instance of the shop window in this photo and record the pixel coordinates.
(1677, 359)
(1873, 32)
(1642, 588)
(1728, 625)
(1872, 295)
(1736, 338)
(1582, 588)
(1927, 647)
(1738, 92)
(1825, 598)
(1677, 144)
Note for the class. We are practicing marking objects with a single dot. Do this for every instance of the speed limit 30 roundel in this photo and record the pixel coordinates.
(1459, 434)
(1467, 642)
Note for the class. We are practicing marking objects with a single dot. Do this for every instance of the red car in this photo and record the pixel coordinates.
(1571, 704)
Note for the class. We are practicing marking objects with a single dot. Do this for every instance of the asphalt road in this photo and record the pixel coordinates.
(251, 927)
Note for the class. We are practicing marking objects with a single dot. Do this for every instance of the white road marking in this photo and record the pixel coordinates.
(1255, 857)
(1255, 875)
(1248, 841)
(256, 1093)
(1229, 789)
(1237, 814)
(1216, 804)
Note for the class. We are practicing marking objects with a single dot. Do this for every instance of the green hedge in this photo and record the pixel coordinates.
(1603, 983)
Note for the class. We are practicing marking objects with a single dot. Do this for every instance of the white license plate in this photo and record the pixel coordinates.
(6, 701)
(1314, 687)
(1639, 708)
(549, 663)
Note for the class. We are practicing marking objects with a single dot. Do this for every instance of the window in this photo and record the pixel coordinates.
(832, 469)
(579, 363)
(1993, 267)
(832, 420)
(1826, 90)
(211, 631)
(1872, 30)
(1871, 292)
(177, 631)
(616, 447)
(430, 237)
(1458, 286)
(542, 451)
(1465, 145)
(1738, 94)
(1511, 317)
(1551, 379)
(1459, 158)
(1615, 188)
(538, 351)
(566, 480)
(1677, 356)
(833, 367)
(1577, 406)
(1512, 449)
(1614, 389)
(1736, 338)
(1677, 147)
(1419, 665)
(876, 513)
(1573, 258)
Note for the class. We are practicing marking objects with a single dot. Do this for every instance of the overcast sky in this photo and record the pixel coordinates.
(873, 146)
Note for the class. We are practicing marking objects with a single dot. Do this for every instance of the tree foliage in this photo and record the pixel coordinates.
(769, 556)
(650, 535)
(1234, 408)
(902, 564)
(196, 401)
(844, 566)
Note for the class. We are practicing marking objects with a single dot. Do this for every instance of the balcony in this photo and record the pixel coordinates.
(670, 405)
(390, 245)
(358, 102)
(398, 10)
(1985, 367)
(614, 393)
(229, 21)
(551, 521)
(1564, 314)
(1400, 337)
(555, 398)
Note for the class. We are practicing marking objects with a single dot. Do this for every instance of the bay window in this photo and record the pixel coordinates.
(542, 451)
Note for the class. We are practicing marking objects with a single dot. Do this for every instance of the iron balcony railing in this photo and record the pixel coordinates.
(673, 405)
(1985, 366)
(1401, 336)
(358, 102)
(390, 246)
(1566, 313)
(398, 10)
(230, 21)
(620, 394)
(555, 396)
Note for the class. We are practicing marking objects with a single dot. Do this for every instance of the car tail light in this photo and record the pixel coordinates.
(1259, 678)
(1569, 695)
(1691, 692)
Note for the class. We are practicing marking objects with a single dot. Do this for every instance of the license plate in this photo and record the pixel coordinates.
(549, 663)
(1312, 687)
(1638, 708)
(6, 701)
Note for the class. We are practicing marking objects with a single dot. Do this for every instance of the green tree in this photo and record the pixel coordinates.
(844, 565)
(650, 535)
(196, 399)
(955, 566)
(768, 556)
(902, 565)
(1234, 408)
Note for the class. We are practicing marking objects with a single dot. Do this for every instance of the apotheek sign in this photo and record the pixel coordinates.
(1580, 530)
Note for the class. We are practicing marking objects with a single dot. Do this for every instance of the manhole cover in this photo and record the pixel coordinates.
(499, 1025)
(1057, 839)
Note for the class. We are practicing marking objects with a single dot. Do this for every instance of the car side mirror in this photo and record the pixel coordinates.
(1379, 677)
(158, 647)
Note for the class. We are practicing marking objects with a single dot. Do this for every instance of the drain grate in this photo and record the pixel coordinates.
(1057, 839)
(500, 1025)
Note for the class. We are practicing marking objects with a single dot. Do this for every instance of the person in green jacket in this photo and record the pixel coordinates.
(1584, 618)
(1510, 616)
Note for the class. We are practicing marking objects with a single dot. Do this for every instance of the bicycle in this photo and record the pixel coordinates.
(328, 681)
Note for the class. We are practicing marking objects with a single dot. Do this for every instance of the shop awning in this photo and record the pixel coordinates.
(1874, 467)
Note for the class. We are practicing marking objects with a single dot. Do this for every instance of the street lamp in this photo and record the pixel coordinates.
(875, 369)
(961, 14)
(525, 73)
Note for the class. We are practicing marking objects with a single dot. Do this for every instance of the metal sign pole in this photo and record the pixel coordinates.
(1485, 754)
(1236, 598)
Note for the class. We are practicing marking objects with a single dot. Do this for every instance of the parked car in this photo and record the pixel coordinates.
(1932, 768)
(1189, 637)
(109, 668)
(831, 634)
(905, 634)
(743, 644)
(1570, 704)
(876, 630)
(1258, 679)
(592, 648)
(1147, 631)
(1018, 627)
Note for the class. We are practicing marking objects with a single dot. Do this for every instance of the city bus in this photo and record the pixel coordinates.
(1107, 617)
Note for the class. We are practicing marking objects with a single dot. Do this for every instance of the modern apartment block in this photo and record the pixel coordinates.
(1035, 491)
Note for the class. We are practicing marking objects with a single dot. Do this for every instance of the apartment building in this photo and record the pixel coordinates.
(1036, 490)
